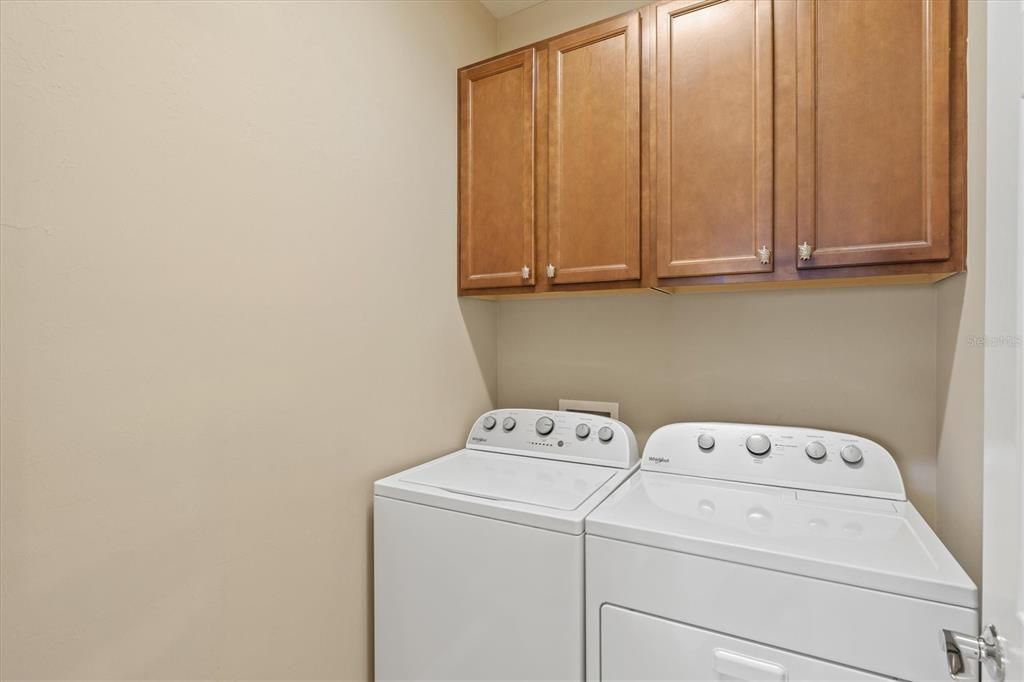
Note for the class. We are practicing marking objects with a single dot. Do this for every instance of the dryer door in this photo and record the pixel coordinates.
(635, 646)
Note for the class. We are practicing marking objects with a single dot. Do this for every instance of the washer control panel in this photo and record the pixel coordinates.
(566, 436)
(786, 456)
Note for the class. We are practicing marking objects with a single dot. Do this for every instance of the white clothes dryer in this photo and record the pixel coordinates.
(748, 552)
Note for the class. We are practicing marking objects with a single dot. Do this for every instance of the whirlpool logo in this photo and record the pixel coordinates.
(478, 439)
(658, 460)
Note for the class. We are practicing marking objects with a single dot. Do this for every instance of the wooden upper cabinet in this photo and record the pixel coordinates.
(593, 149)
(873, 117)
(496, 172)
(713, 137)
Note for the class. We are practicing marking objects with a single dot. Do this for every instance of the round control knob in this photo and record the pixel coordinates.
(605, 434)
(489, 422)
(705, 441)
(758, 444)
(851, 454)
(815, 450)
(509, 423)
(545, 426)
(582, 431)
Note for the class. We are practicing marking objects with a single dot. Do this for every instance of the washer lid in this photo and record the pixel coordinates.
(534, 492)
(868, 542)
(537, 482)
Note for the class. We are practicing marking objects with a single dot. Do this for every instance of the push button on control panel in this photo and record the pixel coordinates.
(545, 426)
(758, 444)
(851, 454)
(815, 450)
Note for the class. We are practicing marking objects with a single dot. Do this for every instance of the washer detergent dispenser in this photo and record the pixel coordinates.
(478, 555)
(769, 553)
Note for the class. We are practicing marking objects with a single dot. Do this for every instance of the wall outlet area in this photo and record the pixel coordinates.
(590, 407)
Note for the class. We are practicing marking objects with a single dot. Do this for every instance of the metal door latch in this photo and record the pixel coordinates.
(765, 254)
(804, 251)
(986, 649)
(526, 272)
(551, 270)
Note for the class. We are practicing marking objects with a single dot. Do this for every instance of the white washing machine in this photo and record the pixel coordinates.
(769, 553)
(478, 555)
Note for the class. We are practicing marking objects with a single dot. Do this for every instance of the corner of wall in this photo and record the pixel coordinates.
(960, 316)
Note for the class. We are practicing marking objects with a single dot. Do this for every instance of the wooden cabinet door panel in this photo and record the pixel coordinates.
(873, 131)
(713, 137)
(594, 153)
(496, 172)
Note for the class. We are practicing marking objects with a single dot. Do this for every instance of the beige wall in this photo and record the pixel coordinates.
(892, 364)
(556, 16)
(857, 360)
(228, 266)
(961, 316)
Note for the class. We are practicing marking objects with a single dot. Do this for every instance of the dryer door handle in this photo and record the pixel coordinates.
(736, 666)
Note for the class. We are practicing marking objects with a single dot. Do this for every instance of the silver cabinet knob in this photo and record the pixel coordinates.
(815, 450)
(705, 441)
(489, 422)
(605, 434)
(526, 272)
(551, 270)
(804, 251)
(765, 254)
(758, 444)
(509, 423)
(582, 431)
(851, 454)
(545, 426)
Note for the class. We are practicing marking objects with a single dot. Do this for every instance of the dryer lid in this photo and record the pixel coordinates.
(868, 542)
(510, 478)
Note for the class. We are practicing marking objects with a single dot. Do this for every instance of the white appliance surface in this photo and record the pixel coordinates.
(549, 481)
(648, 648)
(879, 544)
(463, 597)
(539, 482)
(766, 552)
(478, 554)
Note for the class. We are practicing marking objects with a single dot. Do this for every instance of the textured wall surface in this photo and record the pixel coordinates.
(855, 360)
(961, 321)
(556, 16)
(228, 266)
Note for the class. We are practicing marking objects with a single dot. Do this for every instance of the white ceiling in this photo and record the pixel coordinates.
(503, 8)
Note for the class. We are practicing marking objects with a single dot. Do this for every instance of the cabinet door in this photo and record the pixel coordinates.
(594, 153)
(714, 137)
(496, 153)
(872, 132)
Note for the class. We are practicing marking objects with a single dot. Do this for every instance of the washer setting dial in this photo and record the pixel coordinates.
(509, 423)
(582, 431)
(605, 434)
(815, 450)
(545, 426)
(851, 454)
(758, 444)
(705, 441)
